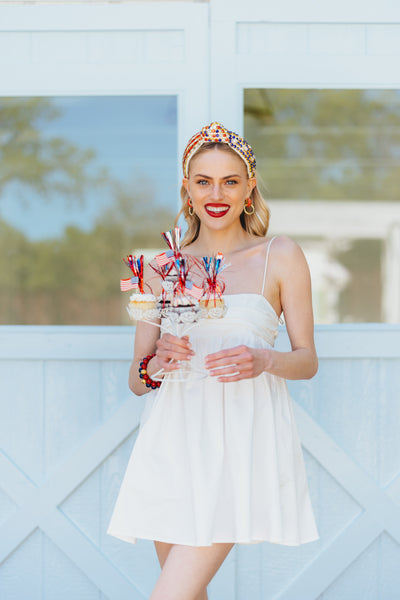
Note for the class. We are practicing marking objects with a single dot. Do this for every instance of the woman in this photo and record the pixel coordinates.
(218, 461)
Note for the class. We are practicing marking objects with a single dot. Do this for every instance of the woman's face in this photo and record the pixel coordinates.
(218, 186)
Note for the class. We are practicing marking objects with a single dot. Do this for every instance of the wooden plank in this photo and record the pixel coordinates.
(309, 71)
(87, 457)
(62, 577)
(35, 504)
(71, 395)
(332, 561)
(15, 531)
(97, 16)
(354, 480)
(364, 340)
(13, 481)
(316, 218)
(66, 343)
(288, 11)
(21, 415)
(90, 560)
(21, 576)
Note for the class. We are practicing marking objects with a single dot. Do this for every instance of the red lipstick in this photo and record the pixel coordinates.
(216, 210)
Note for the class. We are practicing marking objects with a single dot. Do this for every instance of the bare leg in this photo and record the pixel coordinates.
(162, 550)
(187, 570)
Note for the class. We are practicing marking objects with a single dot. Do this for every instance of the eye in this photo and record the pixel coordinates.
(231, 181)
(202, 181)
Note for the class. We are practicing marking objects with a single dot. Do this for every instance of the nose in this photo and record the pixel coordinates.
(216, 192)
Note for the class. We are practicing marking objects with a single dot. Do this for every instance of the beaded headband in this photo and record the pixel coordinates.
(215, 132)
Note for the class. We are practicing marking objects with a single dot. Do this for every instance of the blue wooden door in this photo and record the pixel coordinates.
(67, 427)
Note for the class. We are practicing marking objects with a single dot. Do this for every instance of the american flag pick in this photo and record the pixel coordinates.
(129, 284)
(165, 258)
(193, 290)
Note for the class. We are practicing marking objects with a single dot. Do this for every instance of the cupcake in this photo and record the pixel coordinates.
(213, 308)
(142, 302)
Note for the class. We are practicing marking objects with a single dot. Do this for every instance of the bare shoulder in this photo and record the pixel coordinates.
(285, 245)
(287, 253)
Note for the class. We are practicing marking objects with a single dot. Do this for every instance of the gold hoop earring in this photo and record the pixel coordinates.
(249, 207)
(190, 205)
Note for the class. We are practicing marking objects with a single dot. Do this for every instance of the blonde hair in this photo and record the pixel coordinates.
(255, 224)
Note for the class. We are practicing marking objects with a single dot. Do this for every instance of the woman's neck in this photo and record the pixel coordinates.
(210, 242)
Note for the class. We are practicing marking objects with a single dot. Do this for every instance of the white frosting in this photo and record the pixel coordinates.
(142, 298)
(168, 286)
(182, 300)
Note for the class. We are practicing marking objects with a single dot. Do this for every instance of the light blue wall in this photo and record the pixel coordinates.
(67, 427)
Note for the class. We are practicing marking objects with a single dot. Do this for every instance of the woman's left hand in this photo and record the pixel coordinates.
(237, 363)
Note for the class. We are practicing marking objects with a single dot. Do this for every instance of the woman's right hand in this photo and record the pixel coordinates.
(170, 348)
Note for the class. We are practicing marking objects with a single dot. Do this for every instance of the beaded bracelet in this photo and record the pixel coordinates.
(146, 380)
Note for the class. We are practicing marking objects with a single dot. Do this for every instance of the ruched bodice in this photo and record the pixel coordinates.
(244, 312)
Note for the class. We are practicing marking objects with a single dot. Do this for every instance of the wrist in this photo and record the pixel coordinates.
(145, 377)
(153, 365)
(268, 359)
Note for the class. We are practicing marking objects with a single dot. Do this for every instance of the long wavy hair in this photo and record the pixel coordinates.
(255, 224)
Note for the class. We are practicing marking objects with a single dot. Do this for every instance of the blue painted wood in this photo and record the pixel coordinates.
(21, 393)
(67, 427)
(36, 342)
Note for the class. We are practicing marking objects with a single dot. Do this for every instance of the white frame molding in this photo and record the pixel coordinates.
(187, 79)
(232, 72)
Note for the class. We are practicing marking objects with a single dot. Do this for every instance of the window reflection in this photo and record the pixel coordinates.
(330, 160)
(83, 181)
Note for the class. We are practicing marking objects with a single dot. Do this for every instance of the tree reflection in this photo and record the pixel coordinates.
(336, 146)
(74, 278)
(326, 144)
(42, 163)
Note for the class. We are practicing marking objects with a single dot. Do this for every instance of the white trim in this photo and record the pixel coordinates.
(340, 11)
(188, 79)
(100, 17)
(307, 71)
(295, 67)
(29, 342)
(354, 220)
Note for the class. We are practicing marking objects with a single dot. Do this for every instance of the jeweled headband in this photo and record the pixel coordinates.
(215, 132)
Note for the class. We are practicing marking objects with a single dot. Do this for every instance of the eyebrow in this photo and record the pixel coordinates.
(226, 177)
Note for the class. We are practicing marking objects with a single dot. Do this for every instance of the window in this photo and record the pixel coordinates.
(84, 181)
(330, 160)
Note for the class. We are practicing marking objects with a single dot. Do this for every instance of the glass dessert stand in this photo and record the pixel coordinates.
(177, 320)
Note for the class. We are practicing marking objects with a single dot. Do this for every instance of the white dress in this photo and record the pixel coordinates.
(219, 462)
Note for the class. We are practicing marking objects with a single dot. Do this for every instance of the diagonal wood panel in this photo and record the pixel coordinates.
(381, 513)
(350, 475)
(38, 505)
(332, 561)
(38, 508)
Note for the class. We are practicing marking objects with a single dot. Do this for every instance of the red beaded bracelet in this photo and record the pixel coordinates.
(146, 380)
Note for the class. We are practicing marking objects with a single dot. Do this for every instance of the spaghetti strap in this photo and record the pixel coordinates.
(266, 265)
